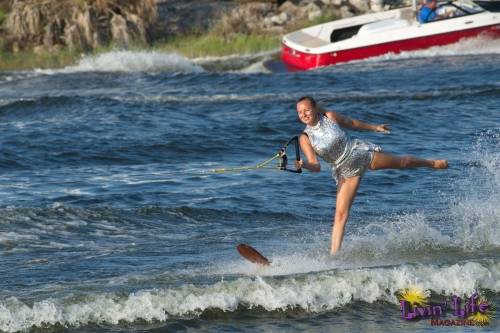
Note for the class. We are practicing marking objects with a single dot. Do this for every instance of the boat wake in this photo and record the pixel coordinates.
(131, 61)
(156, 62)
(249, 63)
(468, 46)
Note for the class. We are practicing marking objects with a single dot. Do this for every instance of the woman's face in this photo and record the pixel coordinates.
(307, 113)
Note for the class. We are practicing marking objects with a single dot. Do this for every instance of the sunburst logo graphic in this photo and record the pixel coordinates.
(414, 304)
(483, 318)
(414, 296)
(475, 310)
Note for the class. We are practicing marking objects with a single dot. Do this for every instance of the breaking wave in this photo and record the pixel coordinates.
(311, 293)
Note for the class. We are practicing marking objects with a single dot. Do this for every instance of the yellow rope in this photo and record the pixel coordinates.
(253, 167)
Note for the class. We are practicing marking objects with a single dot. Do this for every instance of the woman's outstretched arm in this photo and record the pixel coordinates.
(312, 163)
(355, 124)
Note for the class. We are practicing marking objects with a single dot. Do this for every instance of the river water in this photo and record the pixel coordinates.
(111, 219)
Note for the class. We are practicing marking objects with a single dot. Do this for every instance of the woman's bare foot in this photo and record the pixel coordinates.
(440, 164)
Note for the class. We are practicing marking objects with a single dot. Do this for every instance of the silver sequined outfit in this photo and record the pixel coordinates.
(348, 157)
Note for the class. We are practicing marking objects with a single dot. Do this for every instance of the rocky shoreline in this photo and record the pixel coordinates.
(90, 24)
(275, 17)
(82, 25)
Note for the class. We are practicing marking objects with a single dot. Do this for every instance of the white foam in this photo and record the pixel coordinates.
(20, 124)
(19, 75)
(477, 210)
(8, 237)
(468, 46)
(75, 192)
(6, 78)
(132, 61)
(213, 98)
(386, 241)
(317, 292)
(4, 102)
(401, 237)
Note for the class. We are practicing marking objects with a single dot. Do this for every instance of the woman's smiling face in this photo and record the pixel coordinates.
(307, 112)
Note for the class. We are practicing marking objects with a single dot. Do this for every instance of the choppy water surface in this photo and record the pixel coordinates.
(110, 219)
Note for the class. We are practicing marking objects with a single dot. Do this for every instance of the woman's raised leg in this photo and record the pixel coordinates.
(387, 161)
(346, 192)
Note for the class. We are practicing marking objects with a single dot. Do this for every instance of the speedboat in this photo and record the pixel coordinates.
(391, 31)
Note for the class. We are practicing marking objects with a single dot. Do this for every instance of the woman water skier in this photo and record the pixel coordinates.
(349, 158)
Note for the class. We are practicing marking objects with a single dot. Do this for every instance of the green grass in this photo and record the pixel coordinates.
(32, 60)
(326, 17)
(194, 46)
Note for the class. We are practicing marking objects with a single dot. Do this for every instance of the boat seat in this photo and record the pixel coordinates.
(307, 40)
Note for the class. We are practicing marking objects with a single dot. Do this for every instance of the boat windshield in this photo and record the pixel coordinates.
(489, 5)
(465, 7)
(450, 9)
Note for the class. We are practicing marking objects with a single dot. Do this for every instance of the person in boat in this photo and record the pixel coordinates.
(429, 12)
(350, 158)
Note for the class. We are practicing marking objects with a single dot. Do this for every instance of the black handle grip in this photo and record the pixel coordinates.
(297, 152)
(295, 141)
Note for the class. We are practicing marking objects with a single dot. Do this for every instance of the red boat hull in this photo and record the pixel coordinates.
(304, 61)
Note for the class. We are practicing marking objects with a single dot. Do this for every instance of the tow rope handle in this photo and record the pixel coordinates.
(284, 159)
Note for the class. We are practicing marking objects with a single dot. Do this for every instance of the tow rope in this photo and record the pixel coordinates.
(281, 156)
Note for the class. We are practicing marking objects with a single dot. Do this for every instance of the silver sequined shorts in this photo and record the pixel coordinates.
(358, 160)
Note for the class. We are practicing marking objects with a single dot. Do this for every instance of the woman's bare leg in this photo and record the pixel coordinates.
(346, 192)
(387, 161)
(347, 189)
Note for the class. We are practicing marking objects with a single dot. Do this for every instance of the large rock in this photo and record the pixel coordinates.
(333, 2)
(280, 19)
(176, 17)
(361, 6)
(119, 31)
(345, 11)
(85, 24)
(289, 7)
(247, 18)
(377, 5)
(312, 9)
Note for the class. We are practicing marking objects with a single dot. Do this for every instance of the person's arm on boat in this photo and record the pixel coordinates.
(312, 162)
(356, 124)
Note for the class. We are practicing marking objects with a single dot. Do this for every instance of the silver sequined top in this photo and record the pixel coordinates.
(347, 157)
(328, 140)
